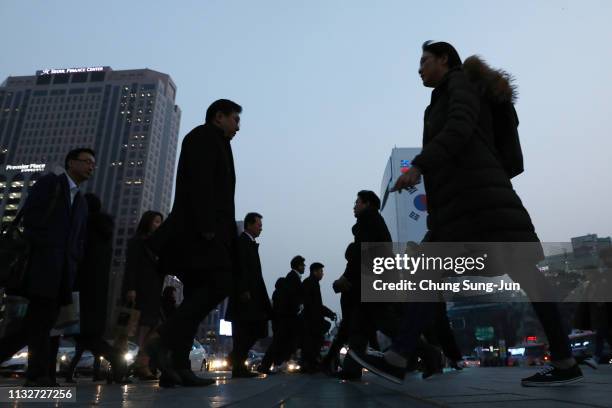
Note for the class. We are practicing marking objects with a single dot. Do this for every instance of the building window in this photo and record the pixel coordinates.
(80, 77)
(61, 78)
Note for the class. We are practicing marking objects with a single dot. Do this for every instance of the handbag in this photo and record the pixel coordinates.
(13, 311)
(15, 248)
(126, 324)
(14, 254)
(70, 314)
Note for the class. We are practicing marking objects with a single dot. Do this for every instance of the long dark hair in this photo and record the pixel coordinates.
(441, 48)
(144, 226)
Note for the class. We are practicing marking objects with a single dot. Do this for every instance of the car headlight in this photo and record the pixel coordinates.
(343, 351)
(21, 355)
(246, 363)
(128, 356)
(293, 367)
(63, 358)
(218, 363)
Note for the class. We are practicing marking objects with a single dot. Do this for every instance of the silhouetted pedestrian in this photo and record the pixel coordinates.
(313, 317)
(197, 241)
(142, 285)
(288, 302)
(249, 307)
(92, 285)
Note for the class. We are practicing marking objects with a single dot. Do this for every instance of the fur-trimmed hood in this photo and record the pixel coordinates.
(495, 84)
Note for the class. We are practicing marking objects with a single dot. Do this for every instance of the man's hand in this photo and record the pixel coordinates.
(246, 296)
(130, 296)
(209, 236)
(341, 285)
(409, 179)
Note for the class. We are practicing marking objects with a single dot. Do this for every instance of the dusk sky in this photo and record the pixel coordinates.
(330, 87)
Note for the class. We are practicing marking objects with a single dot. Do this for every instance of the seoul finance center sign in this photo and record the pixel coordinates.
(69, 70)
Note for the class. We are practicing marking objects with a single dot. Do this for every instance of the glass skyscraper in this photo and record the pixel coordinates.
(130, 119)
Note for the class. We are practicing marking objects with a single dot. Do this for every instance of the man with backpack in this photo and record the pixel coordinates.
(470, 152)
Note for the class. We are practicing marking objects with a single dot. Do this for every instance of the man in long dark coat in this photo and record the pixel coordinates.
(469, 196)
(249, 307)
(54, 221)
(288, 302)
(313, 316)
(92, 285)
(197, 241)
(361, 320)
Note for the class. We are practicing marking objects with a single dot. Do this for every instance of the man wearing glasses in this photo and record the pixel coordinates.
(54, 221)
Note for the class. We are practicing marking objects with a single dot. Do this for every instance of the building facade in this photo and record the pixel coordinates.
(129, 118)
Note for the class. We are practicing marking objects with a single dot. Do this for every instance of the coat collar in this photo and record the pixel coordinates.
(216, 130)
(444, 82)
(248, 236)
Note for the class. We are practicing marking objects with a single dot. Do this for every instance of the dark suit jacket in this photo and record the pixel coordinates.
(370, 227)
(248, 277)
(291, 294)
(57, 237)
(314, 310)
(203, 202)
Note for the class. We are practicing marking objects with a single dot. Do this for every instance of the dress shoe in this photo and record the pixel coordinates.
(41, 382)
(159, 356)
(189, 379)
(168, 382)
(264, 370)
(243, 373)
(349, 375)
(143, 373)
(118, 370)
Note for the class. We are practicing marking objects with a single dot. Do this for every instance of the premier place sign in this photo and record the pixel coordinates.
(27, 168)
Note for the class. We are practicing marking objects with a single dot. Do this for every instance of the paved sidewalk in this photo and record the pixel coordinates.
(475, 387)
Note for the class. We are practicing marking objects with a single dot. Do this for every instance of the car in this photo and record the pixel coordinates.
(18, 363)
(198, 356)
(86, 363)
(471, 361)
(218, 362)
(253, 360)
(293, 366)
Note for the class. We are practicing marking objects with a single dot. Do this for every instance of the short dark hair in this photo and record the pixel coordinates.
(441, 48)
(144, 226)
(296, 261)
(74, 155)
(316, 265)
(250, 218)
(369, 197)
(224, 106)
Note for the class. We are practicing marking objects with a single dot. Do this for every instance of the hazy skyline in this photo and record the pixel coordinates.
(330, 87)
